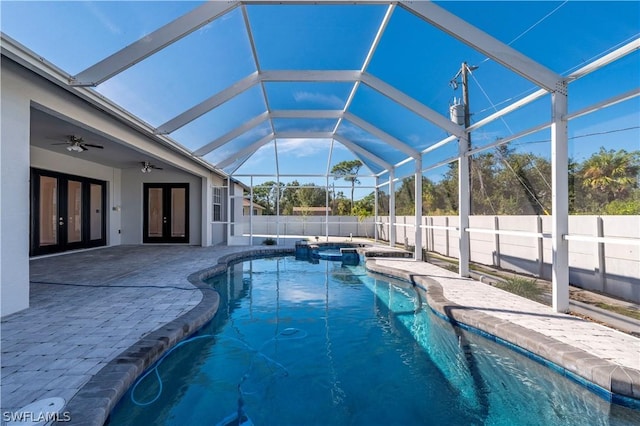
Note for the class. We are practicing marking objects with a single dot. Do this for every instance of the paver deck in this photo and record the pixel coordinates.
(86, 308)
(92, 312)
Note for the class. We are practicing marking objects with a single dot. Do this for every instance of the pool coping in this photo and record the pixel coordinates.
(614, 383)
(94, 401)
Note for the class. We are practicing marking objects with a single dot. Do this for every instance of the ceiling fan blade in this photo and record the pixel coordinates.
(93, 146)
(61, 143)
(156, 167)
(84, 148)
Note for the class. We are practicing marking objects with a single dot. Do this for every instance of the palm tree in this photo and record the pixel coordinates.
(612, 173)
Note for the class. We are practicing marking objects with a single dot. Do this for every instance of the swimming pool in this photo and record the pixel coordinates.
(327, 344)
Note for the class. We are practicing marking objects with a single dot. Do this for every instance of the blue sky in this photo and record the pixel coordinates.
(413, 56)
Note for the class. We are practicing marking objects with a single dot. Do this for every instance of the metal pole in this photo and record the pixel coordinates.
(417, 255)
(326, 210)
(392, 209)
(228, 218)
(560, 199)
(464, 198)
(375, 211)
(251, 213)
(465, 99)
(464, 180)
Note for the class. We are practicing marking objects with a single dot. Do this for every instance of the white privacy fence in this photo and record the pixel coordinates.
(312, 226)
(604, 251)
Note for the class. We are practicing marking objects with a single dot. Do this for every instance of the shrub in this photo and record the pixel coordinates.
(269, 242)
(524, 287)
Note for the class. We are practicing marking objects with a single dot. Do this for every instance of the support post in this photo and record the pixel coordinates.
(228, 218)
(326, 210)
(433, 235)
(602, 269)
(560, 199)
(540, 248)
(14, 195)
(277, 192)
(464, 206)
(392, 209)
(446, 236)
(496, 226)
(207, 203)
(464, 177)
(417, 255)
(251, 213)
(375, 211)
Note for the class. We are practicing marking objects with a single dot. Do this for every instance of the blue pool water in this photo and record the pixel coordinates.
(296, 343)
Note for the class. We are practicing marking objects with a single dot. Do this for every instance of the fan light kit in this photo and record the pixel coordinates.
(77, 144)
(148, 167)
(75, 147)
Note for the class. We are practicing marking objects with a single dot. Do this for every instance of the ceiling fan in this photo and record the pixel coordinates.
(77, 144)
(148, 167)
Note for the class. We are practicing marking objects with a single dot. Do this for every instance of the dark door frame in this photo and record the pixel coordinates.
(62, 198)
(166, 202)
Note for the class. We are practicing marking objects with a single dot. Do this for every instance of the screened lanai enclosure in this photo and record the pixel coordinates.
(502, 132)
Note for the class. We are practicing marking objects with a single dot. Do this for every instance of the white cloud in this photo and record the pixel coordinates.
(359, 136)
(110, 25)
(413, 138)
(303, 147)
(319, 98)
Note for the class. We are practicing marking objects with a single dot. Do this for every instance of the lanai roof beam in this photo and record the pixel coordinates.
(483, 42)
(217, 143)
(151, 43)
(306, 113)
(412, 104)
(358, 151)
(209, 104)
(383, 136)
(311, 75)
(246, 151)
(367, 59)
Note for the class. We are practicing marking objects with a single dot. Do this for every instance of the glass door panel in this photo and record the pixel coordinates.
(178, 213)
(48, 223)
(74, 211)
(166, 213)
(95, 211)
(155, 214)
(67, 212)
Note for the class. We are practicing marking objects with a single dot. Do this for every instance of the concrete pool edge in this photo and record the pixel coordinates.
(614, 383)
(93, 403)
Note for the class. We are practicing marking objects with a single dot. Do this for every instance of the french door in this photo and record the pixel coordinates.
(67, 212)
(166, 213)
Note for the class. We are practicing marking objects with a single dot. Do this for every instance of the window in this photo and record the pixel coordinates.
(217, 215)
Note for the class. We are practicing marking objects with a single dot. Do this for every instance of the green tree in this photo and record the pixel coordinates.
(611, 173)
(266, 195)
(483, 184)
(310, 195)
(523, 183)
(405, 205)
(341, 205)
(446, 191)
(348, 170)
(365, 207)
